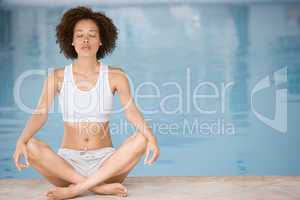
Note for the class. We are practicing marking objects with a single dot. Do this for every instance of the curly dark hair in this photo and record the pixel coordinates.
(64, 31)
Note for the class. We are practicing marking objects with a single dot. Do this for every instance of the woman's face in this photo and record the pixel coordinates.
(86, 40)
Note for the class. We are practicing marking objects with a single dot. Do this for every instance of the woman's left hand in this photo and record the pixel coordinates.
(151, 146)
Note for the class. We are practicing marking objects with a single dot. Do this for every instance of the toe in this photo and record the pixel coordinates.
(123, 193)
(125, 190)
(50, 198)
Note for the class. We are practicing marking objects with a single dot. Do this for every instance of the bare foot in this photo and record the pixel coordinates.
(58, 193)
(111, 189)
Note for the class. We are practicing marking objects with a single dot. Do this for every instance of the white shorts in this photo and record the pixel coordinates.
(86, 162)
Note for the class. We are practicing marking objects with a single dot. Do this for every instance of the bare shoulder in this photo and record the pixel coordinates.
(117, 73)
(58, 75)
(59, 72)
(115, 69)
(118, 78)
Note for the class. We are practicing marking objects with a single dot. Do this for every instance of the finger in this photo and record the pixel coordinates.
(26, 157)
(16, 158)
(154, 157)
(147, 155)
(23, 166)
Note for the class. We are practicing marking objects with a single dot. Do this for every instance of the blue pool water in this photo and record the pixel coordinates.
(213, 73)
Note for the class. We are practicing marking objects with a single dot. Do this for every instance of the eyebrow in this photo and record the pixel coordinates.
(80, 30)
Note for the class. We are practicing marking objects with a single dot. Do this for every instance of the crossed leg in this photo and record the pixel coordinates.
(46, 161)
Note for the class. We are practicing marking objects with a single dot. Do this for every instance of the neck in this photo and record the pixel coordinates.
(86, 64)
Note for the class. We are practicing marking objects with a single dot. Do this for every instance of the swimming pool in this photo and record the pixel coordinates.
(219, 83)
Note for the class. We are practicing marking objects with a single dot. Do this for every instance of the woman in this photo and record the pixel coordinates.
(86, 159)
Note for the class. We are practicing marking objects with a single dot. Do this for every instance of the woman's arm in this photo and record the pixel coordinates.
(37, 120)
(40, 114)
(133, 114)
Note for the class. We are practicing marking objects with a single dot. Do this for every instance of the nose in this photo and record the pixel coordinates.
(85, 40)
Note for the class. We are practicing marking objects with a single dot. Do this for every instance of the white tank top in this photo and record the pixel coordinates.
(93, 105)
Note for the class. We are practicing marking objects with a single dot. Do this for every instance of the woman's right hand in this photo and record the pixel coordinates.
(19, 151)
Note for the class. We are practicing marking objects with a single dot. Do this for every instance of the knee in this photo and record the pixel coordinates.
(35, 148)
(139, 142)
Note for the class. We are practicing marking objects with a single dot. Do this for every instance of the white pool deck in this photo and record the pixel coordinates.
(173, 188)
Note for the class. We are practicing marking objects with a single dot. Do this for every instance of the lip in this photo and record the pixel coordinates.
(86, 48)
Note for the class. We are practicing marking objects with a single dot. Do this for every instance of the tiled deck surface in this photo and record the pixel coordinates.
(173, 188)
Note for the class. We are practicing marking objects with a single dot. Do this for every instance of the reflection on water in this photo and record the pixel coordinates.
(204, 59)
